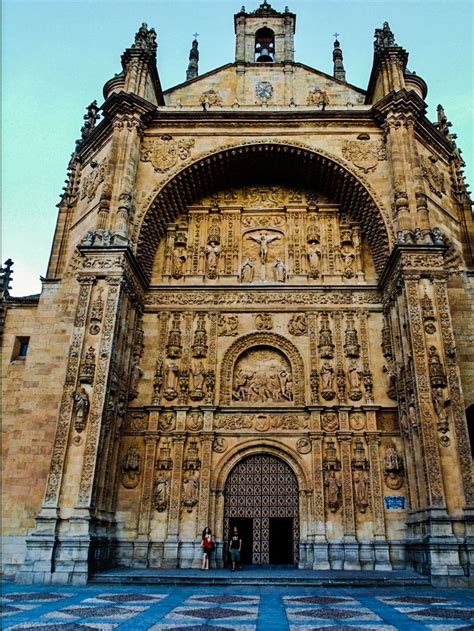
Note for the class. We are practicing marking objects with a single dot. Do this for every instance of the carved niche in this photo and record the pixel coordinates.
(262, 367)
(262, 375)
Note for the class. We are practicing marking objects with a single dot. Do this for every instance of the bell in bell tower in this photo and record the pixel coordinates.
(264, 35)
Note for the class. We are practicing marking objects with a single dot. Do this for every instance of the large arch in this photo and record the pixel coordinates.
(251, 340)
(263, 163)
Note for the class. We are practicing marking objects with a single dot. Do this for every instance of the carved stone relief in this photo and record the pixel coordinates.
(365, 154)
(261, 422)
(161, 492)
(91, 182)
(262, 375)
(393, 467)
(131, 467)
(298, 325)
(228, 325)
(165, 152)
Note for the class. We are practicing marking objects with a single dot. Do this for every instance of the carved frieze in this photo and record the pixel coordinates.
(261, 422)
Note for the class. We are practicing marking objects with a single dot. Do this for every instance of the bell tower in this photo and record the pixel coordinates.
(264, 35)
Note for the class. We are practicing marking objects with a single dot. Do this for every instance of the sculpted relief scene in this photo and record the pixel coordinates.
(261, 235)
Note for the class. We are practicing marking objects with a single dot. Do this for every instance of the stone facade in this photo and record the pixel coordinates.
(264, 269)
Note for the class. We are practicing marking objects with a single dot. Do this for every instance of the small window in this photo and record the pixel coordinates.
(20, 348)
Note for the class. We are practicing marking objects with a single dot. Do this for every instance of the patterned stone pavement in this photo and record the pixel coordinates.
(243, 608)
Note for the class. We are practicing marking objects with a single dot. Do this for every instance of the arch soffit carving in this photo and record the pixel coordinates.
(143, 224)
(246, 342)
(256, 446)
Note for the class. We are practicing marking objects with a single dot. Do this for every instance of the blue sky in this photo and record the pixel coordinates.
(57, 56)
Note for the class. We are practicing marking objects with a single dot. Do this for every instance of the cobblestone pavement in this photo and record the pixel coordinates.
(242, 608)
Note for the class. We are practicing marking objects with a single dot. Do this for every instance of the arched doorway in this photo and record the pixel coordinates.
(261, 498)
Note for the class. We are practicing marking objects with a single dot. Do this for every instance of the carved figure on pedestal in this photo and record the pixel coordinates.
(198, 375)
(179, 259)
(161, 489)
(135, 376)
(279, 270)
(440, 404)
(393, 468)
(361, 485)
(212, 253)
(190, 490)
(333, 491)
(391, 374)
(314, 260)
(354, 374)
(327, 381)
(87, 372)
(348, 259)
(437, 374)
(246, 273)
(412, 415)
(171, 381)
(263, 240)
(80, 410)
(131, 467)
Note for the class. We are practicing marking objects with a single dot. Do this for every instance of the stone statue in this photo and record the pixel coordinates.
(392, 463)
(333, 492)
(314, 260)
(198, 374)
(212, 253)
(240, 390)
(190, 489)
(286, 385)
(440, 404)
(348, 258)
(437, 375)
(354, 375)
(246, 273)
(263, 240)
(81, 410)
(161, 488)
(391, 374)
(361, 491)
(327, 376)
(179, 259)
(171, 381)
(279, 270)
(135, 376)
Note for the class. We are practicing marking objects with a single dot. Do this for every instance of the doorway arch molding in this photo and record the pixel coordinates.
(251, 340)
(258, 161)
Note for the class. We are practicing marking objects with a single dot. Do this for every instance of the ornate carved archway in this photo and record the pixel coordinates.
(265, 162)
(252, 340)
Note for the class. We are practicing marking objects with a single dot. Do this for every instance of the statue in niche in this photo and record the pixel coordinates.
(348, 260)
(279, 270)
(361, 491)
(354, 372)
(412, 412)
(131, 467)
(262, 376)
(391, 374)
(437, 375)
(179, 259)
(198, 376)
(392, 463)
(190, 489)
(212, 251)
(246, 273)
(161, 489)
(81, 410)
(171, 381)
(333, 492)
(314, 259)
(135, 376)
(440, 404)
(327, 376)
(263, 240)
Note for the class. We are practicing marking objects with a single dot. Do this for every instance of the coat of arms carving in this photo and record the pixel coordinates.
(164, 152)
(364, 154)
(433, 175)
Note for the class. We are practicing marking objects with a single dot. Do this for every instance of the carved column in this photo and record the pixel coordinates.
(320, 545)
(170, 553)
(351, 548)
(382, 557)
(394, 130)
(151, 442)
(204, 489)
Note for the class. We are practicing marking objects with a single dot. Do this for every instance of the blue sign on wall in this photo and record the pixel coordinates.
(394, 502)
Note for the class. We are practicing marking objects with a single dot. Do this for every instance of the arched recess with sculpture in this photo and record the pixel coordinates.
(294, 214)
(263, 488)
(262, 368)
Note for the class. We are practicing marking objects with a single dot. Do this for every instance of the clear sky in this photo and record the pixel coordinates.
(57, 55)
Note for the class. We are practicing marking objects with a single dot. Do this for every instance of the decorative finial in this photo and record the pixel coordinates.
(384, 37)
(145, 39)
(90, 117)
(6, 277)
(192, 71)
(338, 72)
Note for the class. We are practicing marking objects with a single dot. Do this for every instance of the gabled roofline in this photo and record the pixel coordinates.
(280, 63)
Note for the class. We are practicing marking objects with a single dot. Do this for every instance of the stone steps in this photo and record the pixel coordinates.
(261, 577)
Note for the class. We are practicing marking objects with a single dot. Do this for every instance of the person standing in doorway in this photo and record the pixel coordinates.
(235, 546)
(207, 545)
